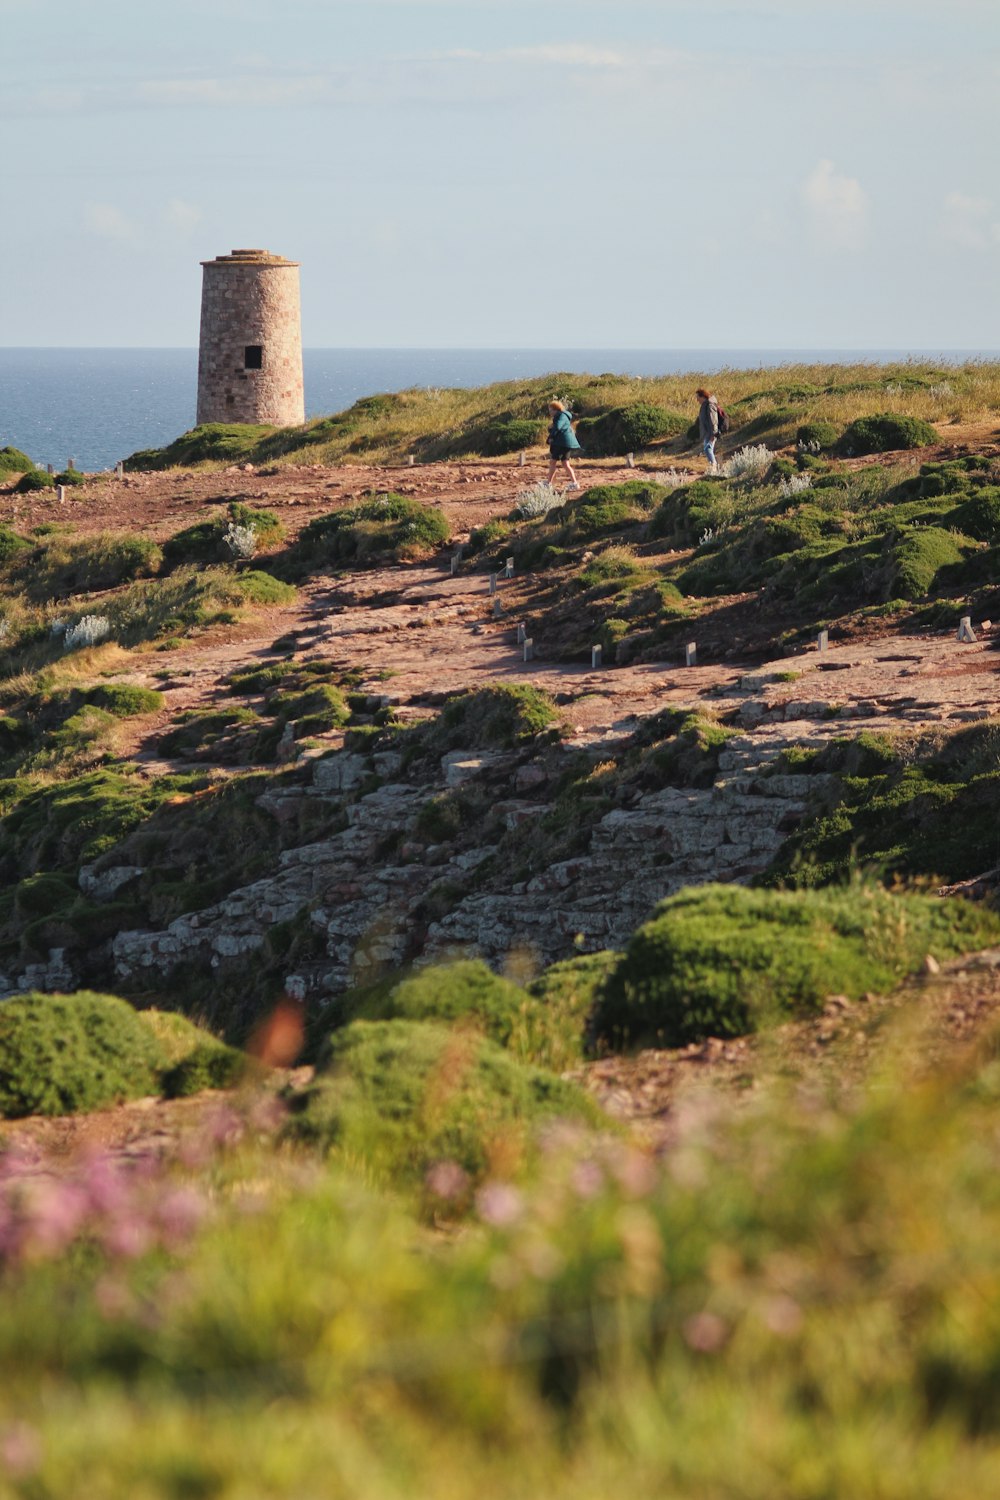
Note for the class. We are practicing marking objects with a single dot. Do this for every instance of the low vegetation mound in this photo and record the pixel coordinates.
(212, 442)
(885, 432)
(237, 535)
(500, 717)
(384, 528)
(13, 461)
(628, 429)
(902, 809)
(723, 960)
(61, 1054)
(404, 1095)
(464, 991)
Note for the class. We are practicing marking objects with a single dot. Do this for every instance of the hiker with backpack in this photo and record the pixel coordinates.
(562, 442)
(712, 421)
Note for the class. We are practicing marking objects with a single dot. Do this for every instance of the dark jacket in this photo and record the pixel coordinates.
(708, 419)
(562, 438)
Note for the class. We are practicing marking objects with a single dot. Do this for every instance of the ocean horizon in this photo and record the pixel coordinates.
(96, 406)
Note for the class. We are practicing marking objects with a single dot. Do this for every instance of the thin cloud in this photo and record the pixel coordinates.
(836, 206)
(108, 222)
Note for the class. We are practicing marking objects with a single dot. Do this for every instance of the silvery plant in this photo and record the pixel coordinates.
(747, 463)
(536, 501)
(89, 630)
(795, 484)
(241, 541)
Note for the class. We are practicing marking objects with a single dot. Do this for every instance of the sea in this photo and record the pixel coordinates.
(96, 406)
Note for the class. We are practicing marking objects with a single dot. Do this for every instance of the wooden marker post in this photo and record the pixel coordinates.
(493, 583)
(823, 640)
(522, 635)
(497, 609)
(595, 657)
(691, 654)
(630, 460)
(508, 571)
(61, 493)
(529, 649)
(521, 460)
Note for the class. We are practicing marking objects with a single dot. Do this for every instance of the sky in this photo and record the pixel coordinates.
(508, 173)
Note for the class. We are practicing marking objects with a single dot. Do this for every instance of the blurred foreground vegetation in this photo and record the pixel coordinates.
(799, 1297)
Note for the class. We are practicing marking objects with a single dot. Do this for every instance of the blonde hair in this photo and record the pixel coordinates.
(557, 406)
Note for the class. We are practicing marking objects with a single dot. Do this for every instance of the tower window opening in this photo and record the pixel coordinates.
(253, 357)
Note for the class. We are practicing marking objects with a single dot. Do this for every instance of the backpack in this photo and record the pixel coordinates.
(723, 420)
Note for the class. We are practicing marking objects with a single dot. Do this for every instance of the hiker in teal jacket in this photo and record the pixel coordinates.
(562, 442)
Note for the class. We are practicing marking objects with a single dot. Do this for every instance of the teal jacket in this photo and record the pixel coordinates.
(562, 438)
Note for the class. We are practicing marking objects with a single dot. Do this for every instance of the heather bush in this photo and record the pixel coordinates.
(628, 429)
(493, 718)
(465, 991)
(818, 436)
(13, 461)
(34, 479)
(723, 960)
(60, 1054)
(384, 528)
(404, 1095)
(885, 433)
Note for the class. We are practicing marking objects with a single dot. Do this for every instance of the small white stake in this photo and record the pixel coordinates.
(497, 609)
(965, 630)
(509, 570)
(522, 635)
(120, 469)
(823, 640)
(630, 460)
(521, 460)
(493, 583)
(529, 649)
(410, 460)
(595, 657)
(691, 654)
(61, 493)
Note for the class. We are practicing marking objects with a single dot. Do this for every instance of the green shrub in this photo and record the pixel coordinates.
(71, 477)
(403, 1095)
(262, 588)
(723, 960)
(628, 429)
(212, 442)
(35, 479)
(498, 717)
(931, 812)
(209, 1065)
(384, 528)
(313, 711)
(13, 461)
(466, 990)
(124, 700)
(918, 557)
(885, 433)
(64, 1054)
(507, 435)
(553, 1033)
(64, 565)
(825, 435)
(979, 516)
(11, 544)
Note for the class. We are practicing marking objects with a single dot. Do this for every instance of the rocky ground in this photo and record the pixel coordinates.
(416, 633)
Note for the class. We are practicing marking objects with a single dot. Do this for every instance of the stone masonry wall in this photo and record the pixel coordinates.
(250, 298)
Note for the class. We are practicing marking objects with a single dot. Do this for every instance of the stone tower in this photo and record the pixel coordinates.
(250, 350)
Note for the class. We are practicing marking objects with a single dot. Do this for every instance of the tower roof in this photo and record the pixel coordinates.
(250, 258)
